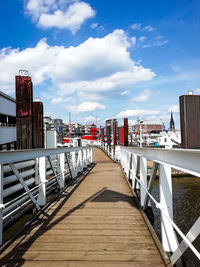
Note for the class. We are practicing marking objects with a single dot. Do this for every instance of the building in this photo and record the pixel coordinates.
(7, 122)
(169, 139)
(148, 127)
(49, 123)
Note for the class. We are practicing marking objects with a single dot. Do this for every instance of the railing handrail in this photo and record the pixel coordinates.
(27, 154)
(186, 160)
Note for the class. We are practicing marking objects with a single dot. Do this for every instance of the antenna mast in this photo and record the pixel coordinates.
(70, 128)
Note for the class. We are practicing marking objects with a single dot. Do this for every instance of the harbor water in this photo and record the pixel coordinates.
(186, 201)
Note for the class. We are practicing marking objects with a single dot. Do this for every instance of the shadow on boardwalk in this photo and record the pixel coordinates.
(15, 256)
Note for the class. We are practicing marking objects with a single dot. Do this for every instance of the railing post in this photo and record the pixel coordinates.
(169, 240)
(88, 156)
(73, 164)
(84, 158)
(91, 155)
(1, 204)
(41, 200)
(134, 168)
(80, 161)
(61, 178)
(37, 180)
(143, 179)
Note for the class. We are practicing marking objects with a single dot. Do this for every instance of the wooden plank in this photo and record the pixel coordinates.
(88, 232)
(92, 226)
(87, 264)
(82, 246)
(87, 256)
(147, 239)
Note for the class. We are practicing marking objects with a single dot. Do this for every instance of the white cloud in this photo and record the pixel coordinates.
(138, 26)
(143, 96)
(133, 40)
(126, 92)
(142, 39)
(115, 81)
(94, 25)
(136, 112)
(61, 100)
(84, 96)
(95, 66)
(161, 42)
(90, 119)
(68, 14)
(97, 26)
(148, 28)
(146, 45)
(90, 106)
(174, 108)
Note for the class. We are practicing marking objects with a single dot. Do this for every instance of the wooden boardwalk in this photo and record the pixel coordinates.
(98, 225)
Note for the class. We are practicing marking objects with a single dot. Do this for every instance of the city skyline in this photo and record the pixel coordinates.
(103, 58)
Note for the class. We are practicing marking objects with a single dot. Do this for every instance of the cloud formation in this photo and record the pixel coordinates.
(90, 106)
(174, 109)
(96, 66)
(143, 96)
(62, 14)
(90, 119)
(136, 112)
(138, 26)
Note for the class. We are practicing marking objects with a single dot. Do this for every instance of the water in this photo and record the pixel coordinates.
(186, 201)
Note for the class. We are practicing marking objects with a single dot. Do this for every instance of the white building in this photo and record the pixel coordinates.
(7, 121)
(169, 139)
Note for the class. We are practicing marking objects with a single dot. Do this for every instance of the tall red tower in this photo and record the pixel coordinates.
(38, 126)
(24, 111)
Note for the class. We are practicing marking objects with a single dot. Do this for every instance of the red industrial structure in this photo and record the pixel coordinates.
(24, 111)
(93, 133)
(190, 121)
(29, 116)
(123, 133)
(38, 126)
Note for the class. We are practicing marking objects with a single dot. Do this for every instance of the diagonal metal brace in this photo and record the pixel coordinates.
(150, 185)
(191, 236)
(67, 160)
(19, 177)
(137, 171)
(51, 164)
(55, 173)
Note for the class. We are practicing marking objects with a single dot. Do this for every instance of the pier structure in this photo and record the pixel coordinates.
(98, 217)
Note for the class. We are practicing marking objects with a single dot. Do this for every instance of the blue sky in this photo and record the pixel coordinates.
(103, 58)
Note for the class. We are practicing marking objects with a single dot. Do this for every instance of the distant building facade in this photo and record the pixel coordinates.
(7, 122)
(148, 127)
(62, 129)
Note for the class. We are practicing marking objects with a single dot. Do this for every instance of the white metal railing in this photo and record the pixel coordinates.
(109, 150)
(24, 168)
(134, 164)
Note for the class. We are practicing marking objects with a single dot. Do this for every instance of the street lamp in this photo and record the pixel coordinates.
(140, 122)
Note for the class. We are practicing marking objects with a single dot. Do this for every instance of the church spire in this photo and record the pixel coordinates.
(171, 124)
